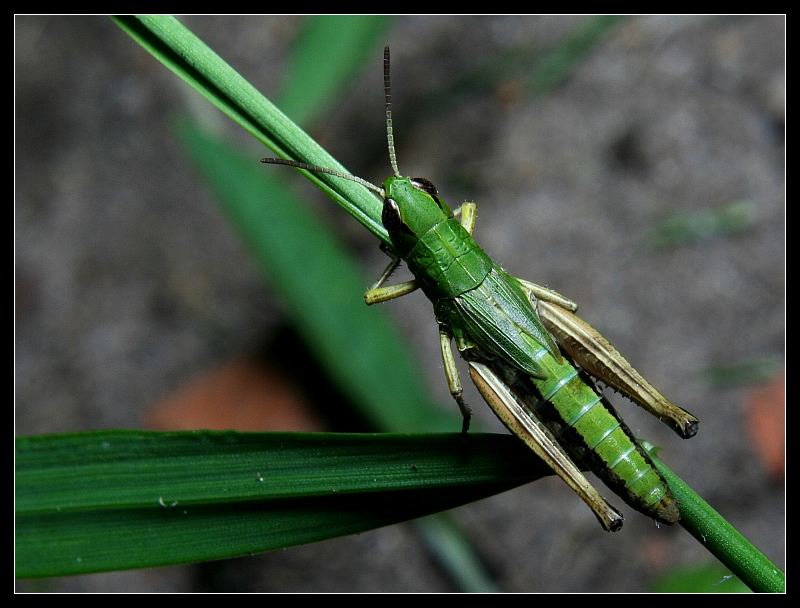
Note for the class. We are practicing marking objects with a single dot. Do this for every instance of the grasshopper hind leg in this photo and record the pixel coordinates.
(537, 292)
(524, 425)
(595, 354)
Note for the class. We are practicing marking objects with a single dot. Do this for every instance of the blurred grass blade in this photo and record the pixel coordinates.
(329, 51)
(454, 553)
(525, 66)
(322, 289)
(555, 66)
(709, 578)
(724, 541)
(685, 228)
(112, 500)
(752, 371)
(169, 41)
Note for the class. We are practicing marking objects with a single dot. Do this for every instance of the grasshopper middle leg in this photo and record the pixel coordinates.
(453, 379)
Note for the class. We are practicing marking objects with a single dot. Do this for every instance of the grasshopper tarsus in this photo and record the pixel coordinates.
(690, 429)
(616, 523)
(466, 415)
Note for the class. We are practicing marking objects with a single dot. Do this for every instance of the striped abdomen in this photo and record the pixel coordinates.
(602, 440)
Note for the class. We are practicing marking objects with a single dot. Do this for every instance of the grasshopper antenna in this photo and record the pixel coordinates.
(317, 169)
(387, 93)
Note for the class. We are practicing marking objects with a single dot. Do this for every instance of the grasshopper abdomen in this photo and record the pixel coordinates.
(587, 425)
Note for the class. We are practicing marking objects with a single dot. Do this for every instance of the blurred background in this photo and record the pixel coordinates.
(635, 165)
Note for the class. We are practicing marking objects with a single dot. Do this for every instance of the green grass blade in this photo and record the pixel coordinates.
(539, 71)
(181, 51)
(452, 551)
(708, 578)
(555, 66)
(322, 289)
(752, 371)
(696, 226)
(110, 500)
(330, 50)
(724, 541)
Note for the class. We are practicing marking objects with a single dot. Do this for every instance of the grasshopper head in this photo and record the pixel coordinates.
(411, 207)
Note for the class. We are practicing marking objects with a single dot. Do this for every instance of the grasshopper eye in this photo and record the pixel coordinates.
(425, 185)
(391, 215)
(428, 188)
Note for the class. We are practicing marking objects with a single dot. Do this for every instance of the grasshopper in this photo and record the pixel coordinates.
(530, 356)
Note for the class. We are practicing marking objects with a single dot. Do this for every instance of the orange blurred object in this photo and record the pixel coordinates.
(244, 395)
(655, 552)
(765, 407)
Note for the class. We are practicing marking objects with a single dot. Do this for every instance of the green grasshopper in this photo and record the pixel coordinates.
(529, 355)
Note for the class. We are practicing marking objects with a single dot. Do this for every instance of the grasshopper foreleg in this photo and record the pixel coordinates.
(453, 379)
(377, 293)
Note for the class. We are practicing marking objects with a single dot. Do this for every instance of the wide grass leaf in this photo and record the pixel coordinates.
(111, 500)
